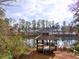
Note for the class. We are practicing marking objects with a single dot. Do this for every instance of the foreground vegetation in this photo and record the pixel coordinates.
(11, 44)
(76, 48)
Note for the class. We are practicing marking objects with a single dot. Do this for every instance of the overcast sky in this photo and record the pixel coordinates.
(41, 9)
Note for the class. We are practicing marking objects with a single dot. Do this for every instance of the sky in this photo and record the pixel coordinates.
(56, 10)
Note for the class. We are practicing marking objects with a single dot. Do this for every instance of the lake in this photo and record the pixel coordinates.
(60, 42)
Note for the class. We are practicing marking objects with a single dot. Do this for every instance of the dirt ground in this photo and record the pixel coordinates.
(64, 55)
(55, 55)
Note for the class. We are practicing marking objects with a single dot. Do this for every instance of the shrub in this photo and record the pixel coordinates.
(77, 47)
(12, 45)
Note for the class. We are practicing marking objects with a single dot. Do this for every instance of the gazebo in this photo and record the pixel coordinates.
(45, 42)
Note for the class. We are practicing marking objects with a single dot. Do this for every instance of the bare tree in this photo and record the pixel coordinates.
(27, 26)
(38, 24)
(57, 27)
(2, 13)
(42, 25)
(34, 26)
(63, 27)
(22, 25)
(75, 9)
(4, 3)
(46, 25)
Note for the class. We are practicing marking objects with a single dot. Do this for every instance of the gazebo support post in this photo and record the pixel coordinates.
(49, 46)
(37, 44)
(43, 46)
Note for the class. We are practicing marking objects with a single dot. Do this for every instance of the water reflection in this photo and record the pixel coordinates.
(61, 42)
(30, 42)
(66, 43)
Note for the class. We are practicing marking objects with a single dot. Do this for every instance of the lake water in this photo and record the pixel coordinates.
(67, 42)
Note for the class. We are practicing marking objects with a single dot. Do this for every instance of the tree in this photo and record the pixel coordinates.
(10, 21)
(22, 25)
(63, 27)
(3, 3)
(43, 24)
(34, 26)
(10, 45)
(53, 26)
(27, 27)
(2, 13)
(75, 9)
(46, 25)
(57, 26)
(70, 27)
(38, 24)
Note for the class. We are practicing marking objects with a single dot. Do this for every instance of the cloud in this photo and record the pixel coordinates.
(41, 9)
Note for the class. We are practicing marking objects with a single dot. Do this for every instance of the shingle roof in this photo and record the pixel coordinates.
(45, 37)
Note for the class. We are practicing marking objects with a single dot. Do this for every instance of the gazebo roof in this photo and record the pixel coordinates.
(45, 37)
